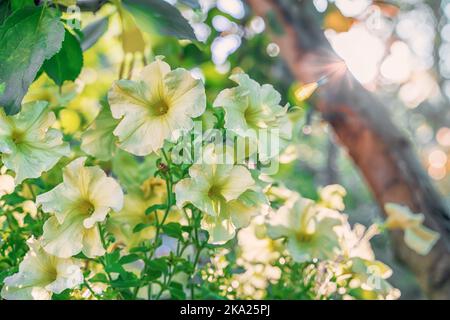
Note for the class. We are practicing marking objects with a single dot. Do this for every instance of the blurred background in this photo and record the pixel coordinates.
(399, 50)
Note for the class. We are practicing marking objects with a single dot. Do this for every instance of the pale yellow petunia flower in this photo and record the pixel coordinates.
(28, 144)
(254, 111)
(40, 275)
(309, 230)
(83, 199)
(158, 106)
(223, 192)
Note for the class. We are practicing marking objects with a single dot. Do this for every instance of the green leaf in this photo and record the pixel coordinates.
(139, 249)
(66, 65)
(99, 277)
(28, 37)
(157, 265)
(93, 32)
(140, 226)
(4, 11)
(176, 291)
(152, 276)
(173, 229)
(129, 258)
(2, 88)
(19, 4)
(113, 257)
(126, 280)
(13, 199)
(159, 16)
(154, 208)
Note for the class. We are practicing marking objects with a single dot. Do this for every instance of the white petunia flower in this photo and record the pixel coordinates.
(156, 107)
(28, 146)
(309, 230)
(84, 198)
(251, 109)
(40, 275)
(224, 192)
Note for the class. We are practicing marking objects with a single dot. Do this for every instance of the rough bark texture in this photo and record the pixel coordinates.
(364, 128)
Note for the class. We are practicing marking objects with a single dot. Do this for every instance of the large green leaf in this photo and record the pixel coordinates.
(28, 37)
(5, 10)
(159, 16)
(93, 32)
(19, 4)
(67, 63)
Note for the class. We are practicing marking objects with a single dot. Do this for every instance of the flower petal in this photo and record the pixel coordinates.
(92, 244)
(63, 240)
(238, 181)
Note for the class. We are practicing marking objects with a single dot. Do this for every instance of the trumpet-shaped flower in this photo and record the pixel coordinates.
(251, 109)
(224, 192)
(418, 237)
(40, 275)
(28, 145)
(84, 198)
(309, 230)
(156, 107)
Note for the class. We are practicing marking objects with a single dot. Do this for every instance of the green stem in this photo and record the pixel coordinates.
(102, 260)
(159, 225)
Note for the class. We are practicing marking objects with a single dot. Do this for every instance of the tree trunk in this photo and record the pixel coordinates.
(365, 129)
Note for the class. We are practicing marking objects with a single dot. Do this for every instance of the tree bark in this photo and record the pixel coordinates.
(364, 128)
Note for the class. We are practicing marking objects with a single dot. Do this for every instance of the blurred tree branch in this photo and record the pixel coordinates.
(364, 127)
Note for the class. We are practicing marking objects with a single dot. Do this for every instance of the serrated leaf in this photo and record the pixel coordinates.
(66, 65)
(161, 17)
(28, 37)
(93, 32)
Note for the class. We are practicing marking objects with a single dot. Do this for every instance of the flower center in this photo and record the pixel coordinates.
(253, 117)
(215, 192)
(86, 207)
(17, 136)
(303, 236)
(159, 108)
